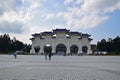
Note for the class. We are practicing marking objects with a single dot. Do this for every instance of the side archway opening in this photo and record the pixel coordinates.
(84, 49)
(61, 49)
(74, 49)
(37, 49)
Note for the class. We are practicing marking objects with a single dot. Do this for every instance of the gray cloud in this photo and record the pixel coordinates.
(89, 13)
(14, 27)
(10, 21)
(9, 5)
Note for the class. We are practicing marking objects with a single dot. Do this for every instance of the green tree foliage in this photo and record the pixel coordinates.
(4, 42)
(27, 48)
(102, 45)
(112, 46)
(10, 45)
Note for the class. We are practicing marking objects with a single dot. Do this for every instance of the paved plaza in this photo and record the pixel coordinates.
(34, 67)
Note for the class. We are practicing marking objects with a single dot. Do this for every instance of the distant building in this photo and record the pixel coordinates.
(62, 42)
(93, 48)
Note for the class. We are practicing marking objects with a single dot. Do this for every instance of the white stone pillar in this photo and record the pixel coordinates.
(53, 49)
(68, 50)
(41, 50)
(32, 50)
(89, 49)
(80, 50)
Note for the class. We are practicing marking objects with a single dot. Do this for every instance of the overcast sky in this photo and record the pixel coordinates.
(21, 18)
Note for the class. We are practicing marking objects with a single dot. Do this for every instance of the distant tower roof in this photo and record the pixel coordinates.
(60, 30)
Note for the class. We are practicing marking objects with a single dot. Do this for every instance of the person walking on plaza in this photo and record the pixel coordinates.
(46, 55)
(15, 55)
(50, 54)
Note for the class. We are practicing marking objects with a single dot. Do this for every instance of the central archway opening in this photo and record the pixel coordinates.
(47, 48)
(74, 49)
(61, 49)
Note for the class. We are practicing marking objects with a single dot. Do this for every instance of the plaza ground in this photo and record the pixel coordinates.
(34, 67)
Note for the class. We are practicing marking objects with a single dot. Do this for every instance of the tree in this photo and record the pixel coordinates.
(10, 45)
(116, 44)
(4, 42)
(27, 48)
(18, 45)
(112, 46)
(102, 45)
(109, 45)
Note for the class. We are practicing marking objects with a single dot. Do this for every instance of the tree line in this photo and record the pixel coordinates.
(8, 45)
(111, 46)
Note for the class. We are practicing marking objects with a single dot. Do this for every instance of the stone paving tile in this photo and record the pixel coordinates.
(60, 68)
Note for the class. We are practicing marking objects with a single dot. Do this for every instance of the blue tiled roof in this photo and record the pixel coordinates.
(60, 30)
(32, 38)
(36, 34)
(86, 35)
(74, 33)
(47, 33)
(66, 31)
(90, 39)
